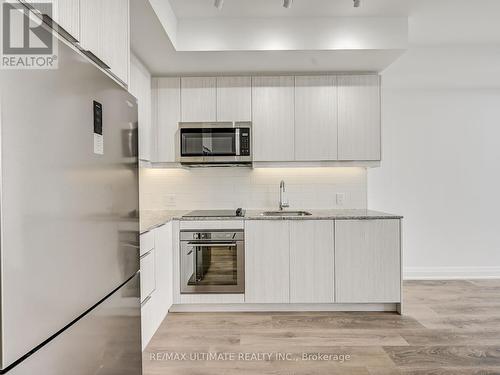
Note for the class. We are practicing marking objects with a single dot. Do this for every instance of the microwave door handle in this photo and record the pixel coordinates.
(208, 244)
(237, 142)
(195, 265)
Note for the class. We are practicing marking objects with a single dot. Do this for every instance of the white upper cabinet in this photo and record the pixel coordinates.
(68, 16)
(115, 39)
(234, 99)
(359, 117)
(367, 261)
(66, 13)
(267, 251)
(104, 31)
(312, 261)
(140, 87)
(166, 117)
(198, 99)
(90, 25)
(315, 118)
(273, 118)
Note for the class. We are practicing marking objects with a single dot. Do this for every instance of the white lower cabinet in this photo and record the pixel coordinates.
(156, 279)
(323, 261)
(312, 261)
(164, 269)
(367, 261)
(267, 252)
(148, 274)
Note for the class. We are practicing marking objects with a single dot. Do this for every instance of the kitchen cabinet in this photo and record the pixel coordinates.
(267, 252)
(156, 278)
(315, 118)
(273, 118)
(115, 45)
(319, 118)
(166, 98)
(359, 117)
(367, 261)
(234, 99)
(140, 87)
(312, 261)
(148, 326)
(164, 271)
(104, 31)
(68, 16)
(198, 99)
(148, 274)
(65, 13)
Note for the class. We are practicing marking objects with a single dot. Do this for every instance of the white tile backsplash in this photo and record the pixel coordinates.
(210, 188)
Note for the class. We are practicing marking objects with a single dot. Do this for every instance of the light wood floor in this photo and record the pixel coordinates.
(449, 327)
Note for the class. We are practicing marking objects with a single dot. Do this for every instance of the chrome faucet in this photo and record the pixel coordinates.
(283, 202)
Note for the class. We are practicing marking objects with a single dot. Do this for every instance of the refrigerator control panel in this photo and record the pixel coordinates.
(98, 138)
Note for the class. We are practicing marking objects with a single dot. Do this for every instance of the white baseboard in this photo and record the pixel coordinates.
(450, 273)
(285, 307)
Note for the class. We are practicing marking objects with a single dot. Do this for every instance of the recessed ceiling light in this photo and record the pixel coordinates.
(219, 4)
(357, 3)
(287, 3)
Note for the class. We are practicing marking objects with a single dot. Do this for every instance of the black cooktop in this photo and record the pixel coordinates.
(216, 213)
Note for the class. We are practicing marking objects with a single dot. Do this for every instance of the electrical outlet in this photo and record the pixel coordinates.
(340, 199)
(169, 201)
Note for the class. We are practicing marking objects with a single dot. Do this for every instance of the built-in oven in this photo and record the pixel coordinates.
(212, 261)
(215, 143)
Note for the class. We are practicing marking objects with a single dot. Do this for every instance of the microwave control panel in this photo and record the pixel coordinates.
(245, 142)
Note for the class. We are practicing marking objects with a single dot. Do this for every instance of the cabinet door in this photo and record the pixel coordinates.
(164, 271)
(359, 117)
(104, 31)
(234, 99)
(91, 25)
(199, 99)
(66, 13)
(315, 118)
(148, 274)
(140, 87)
(267, 254)
(312, 261)
(367, 261)
(114, 43)
(273, 118)
(166, 115)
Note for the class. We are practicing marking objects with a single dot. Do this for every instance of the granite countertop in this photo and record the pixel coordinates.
(151, 219)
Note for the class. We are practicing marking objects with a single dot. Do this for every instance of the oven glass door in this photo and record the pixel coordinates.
(208, 142)
(212, 267)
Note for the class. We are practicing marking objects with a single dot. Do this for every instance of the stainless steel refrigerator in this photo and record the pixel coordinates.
(70, 299)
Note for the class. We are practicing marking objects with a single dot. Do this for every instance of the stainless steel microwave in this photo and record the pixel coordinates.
(215, 143)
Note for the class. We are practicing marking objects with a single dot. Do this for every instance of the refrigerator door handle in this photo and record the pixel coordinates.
(146, 300)
(146, 254)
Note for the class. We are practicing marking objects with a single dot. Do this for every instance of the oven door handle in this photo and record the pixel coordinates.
(208, 244)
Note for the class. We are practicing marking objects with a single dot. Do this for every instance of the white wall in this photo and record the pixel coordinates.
(140, 87)
(210, 188)
(441, 131)
(441, 154)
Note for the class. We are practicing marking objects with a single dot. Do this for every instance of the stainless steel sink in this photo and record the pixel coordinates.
(286, 213)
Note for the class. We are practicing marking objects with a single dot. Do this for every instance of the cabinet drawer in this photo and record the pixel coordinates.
(147, 242)
(148, 275)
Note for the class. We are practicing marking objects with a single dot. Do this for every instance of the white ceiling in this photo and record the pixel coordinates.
(151, 44)
(300, 8)
(436, 23)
